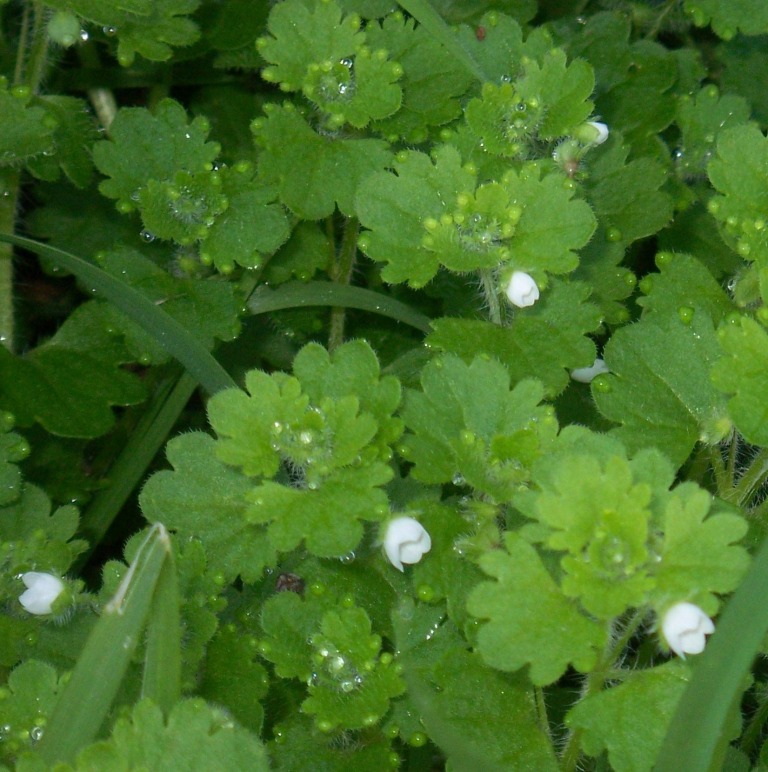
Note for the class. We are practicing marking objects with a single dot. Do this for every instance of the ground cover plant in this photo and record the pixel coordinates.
(383, 385)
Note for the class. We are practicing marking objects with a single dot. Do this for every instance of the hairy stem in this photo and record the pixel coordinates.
(751, 480)
(9, 187)
(491, 295)
(595, 681)
(341, 273)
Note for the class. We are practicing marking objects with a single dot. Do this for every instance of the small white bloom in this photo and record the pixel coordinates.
(522, 290)
(41, 593)
(588, 374)
(405, 541)
(685, 627)
(602, 132)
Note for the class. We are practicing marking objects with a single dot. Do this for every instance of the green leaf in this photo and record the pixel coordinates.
(544, 342)
(233, 679)
(598, 515)
(655, 399)
(626, 195)
(738, 173)
(72, 140)
(468, 426)
(174, 337)
(147, 146)
(553, 224)
(432, 81)
(701, 118)
(205, 499)
(67, 389)
(195, 736)
(13, 448)
(684, 286)
(206, 308)
(303, 34)
(747, 16)
(25, 131)
(353, 682)
(252, 227)
(321, 171)
(698, 557)
(742, 373)
(609, 719)
(145, 27)
(31, 693)
(458, 718)
(426, 15)
(396, 207)
(562, 90)
(511, 638)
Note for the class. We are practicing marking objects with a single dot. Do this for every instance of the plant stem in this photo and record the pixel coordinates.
(9, 187)
(595, 681)
(38, 53)
(541, 712)
(341, 273)
(754, 729)
(751, 480)
(723, 482)
(491, 295)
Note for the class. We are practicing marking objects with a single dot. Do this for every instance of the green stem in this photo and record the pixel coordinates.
(21, 51)
(341, 273)
(595, 681)
(751, 480)
(541, 712)
(144, 442)
(38, 53)
(491, 295)
(723, 482)
(9, 188)
(754, 730)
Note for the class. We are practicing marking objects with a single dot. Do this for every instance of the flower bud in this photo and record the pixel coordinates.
(41, 593)
(405, 541)
(522, 290)
(588, 374)
(593, 133)
(685, 626)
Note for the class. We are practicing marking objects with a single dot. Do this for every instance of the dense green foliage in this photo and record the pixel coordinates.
(304, 462)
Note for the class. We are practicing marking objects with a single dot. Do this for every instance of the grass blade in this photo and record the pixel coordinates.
(297, 294)
(174, 338)
(696, 730)
(91, 689)
(162, 664)
(131, 465)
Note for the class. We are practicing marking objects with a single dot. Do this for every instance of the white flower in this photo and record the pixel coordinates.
(42, 592)
(602, 132)
(522, 290)
(588, 374)
(405, 541)
(685, 627)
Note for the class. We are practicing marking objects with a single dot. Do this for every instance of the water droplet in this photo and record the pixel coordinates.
(306, 438)
(336, 664)
(84, 36)
(110, 32)
(35, 733)
(147, 236)
(347, 686)
(348, 558)
(346, 62)
(458, 479)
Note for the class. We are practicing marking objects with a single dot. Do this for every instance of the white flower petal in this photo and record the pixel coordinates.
(685, 627)
(406, 541)
(588, 374)
(602, 132)
(43, 590)
(522, 291)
